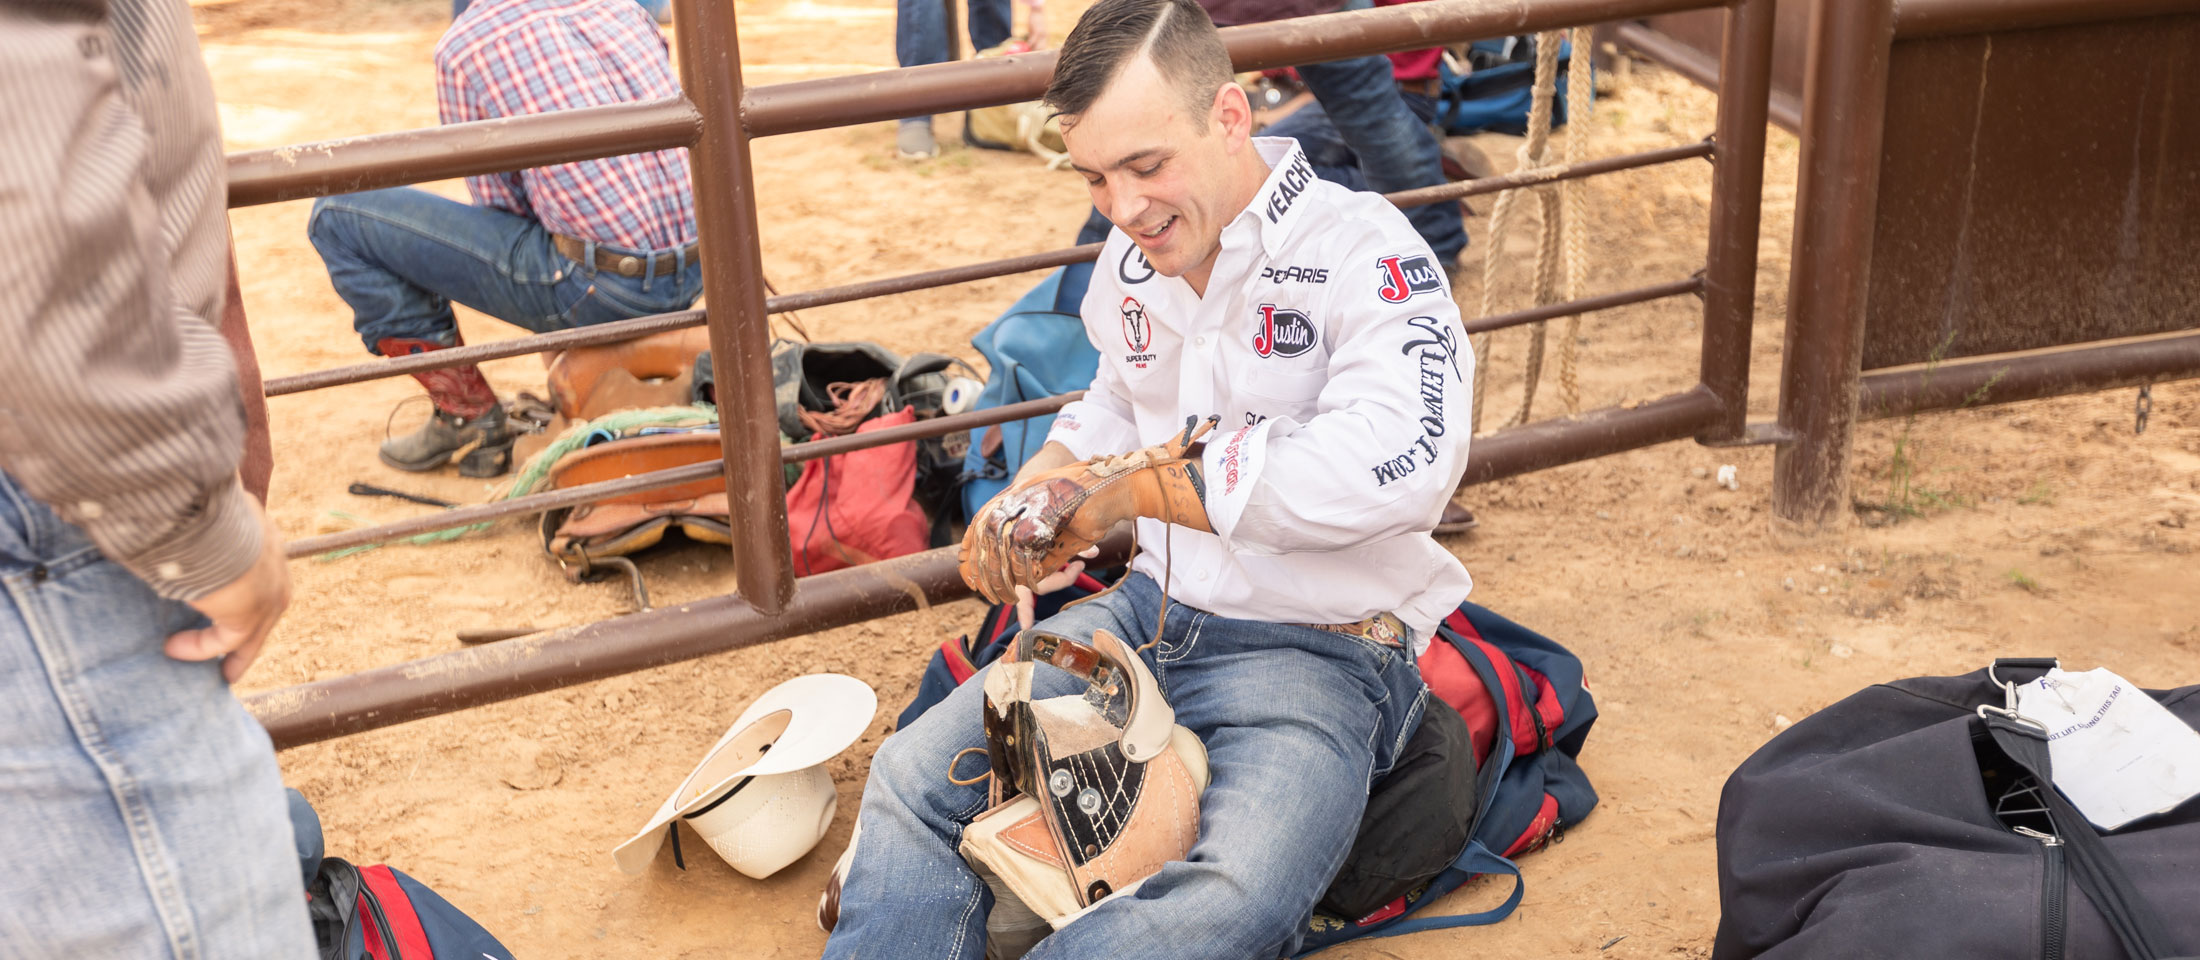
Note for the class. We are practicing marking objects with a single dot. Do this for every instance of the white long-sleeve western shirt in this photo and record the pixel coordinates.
(1329, 345)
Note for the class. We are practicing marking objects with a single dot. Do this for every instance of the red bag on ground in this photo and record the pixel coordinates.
(855, 507)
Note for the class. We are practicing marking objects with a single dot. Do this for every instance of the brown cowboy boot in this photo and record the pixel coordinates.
(467, 419)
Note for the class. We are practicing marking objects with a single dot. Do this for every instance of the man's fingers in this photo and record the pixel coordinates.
(205, 643)
(1025, 604)
(240, 660)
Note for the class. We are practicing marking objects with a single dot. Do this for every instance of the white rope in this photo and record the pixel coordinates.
(1558, 248)
(1580, 88)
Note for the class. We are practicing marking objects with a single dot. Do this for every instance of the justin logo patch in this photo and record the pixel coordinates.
(1283, 332)
(1404, 277)
(1137, 332)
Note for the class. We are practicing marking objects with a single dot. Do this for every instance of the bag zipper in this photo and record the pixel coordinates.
(2053, 911)
(389, 937)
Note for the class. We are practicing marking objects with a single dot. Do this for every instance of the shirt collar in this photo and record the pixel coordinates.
(1278, 201)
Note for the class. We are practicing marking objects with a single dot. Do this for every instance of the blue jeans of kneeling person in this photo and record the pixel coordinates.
(1297, 722)
(401, 256)
(141, 813)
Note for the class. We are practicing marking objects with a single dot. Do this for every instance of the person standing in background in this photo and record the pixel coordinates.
(138, 579)
(920, 37)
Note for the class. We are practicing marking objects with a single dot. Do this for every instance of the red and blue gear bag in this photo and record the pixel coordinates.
(378, 913)
(1527, 715)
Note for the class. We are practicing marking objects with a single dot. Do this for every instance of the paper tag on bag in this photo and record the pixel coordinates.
(2118, 755)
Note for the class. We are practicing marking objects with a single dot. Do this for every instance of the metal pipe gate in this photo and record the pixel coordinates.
(718, 117)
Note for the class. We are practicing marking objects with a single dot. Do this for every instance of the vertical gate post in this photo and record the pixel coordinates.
(733, 284)
(1737, 199)
(1836, 204)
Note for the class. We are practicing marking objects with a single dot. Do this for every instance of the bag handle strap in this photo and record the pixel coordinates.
(2100, 875)
(1476, 859)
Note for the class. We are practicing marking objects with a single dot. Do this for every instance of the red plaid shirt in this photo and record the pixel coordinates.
(504, 58)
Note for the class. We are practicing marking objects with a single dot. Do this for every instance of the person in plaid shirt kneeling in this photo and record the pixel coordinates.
(548, 248)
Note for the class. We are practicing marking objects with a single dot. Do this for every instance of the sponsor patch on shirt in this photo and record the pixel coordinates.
(1295, 274)
(1435, 349)
(1133, 268)
(1288, 187)
(1403, 277)
(1283, 332)
(1137, 333)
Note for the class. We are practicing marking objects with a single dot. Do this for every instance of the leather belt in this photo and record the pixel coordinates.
(623, 264)
(1427, 87)
(1383, 628)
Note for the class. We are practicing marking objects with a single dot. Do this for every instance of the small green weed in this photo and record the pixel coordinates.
(2022, 582)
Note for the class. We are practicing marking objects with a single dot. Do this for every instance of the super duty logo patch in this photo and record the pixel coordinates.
(1137, 333)
(1404, 277)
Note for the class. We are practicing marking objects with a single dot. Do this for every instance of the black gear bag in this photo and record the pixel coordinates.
(1920, 819)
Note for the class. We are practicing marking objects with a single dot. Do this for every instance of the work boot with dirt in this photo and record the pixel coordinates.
(468, 422)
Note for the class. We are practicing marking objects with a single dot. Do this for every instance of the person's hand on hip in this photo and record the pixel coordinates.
(244, 610)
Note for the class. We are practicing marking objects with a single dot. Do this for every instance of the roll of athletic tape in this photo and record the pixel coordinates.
(962, 396)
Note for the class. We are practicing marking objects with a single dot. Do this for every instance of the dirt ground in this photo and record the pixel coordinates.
(2037, 528)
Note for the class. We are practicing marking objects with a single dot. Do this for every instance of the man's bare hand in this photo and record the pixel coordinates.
(1027, 597)
(243, 611)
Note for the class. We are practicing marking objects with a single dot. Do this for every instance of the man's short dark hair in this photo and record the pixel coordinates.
(1175, 34)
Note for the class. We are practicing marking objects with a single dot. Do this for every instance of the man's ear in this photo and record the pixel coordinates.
(1231, 116)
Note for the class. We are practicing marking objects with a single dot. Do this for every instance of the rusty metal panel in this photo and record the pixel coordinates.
(2038, 187)
(1689, 43)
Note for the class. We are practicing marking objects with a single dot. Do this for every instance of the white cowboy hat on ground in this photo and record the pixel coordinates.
(761, 796)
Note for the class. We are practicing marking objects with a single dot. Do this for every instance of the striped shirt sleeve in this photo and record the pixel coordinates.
(118, 402)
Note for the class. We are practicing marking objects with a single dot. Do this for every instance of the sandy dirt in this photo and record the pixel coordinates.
(2037, 528)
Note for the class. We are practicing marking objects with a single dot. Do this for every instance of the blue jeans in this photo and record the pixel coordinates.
(1393, 146)
(920, 31)
(399, 257)
(143, 814)
(1298, 723)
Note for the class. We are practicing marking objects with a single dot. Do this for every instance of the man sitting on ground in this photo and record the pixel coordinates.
(1316, 324)
(549, 248)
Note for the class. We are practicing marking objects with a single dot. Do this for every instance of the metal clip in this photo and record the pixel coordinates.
(2143, 407)
(2046, 838)
(1987, 710)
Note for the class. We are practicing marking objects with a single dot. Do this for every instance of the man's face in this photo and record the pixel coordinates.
(1155, 167)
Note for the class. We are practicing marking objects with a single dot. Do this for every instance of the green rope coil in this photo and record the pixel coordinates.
(537, 469)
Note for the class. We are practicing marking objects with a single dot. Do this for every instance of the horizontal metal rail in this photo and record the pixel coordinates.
(459, 149)
(1562, 440)
(621, 330)
(1982, 381)
(794, 453)
(1568, 308)
(1551, 174)
(515, 143)
(494, 672)
(673, 476)
(470, 677)
(1927, 18)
